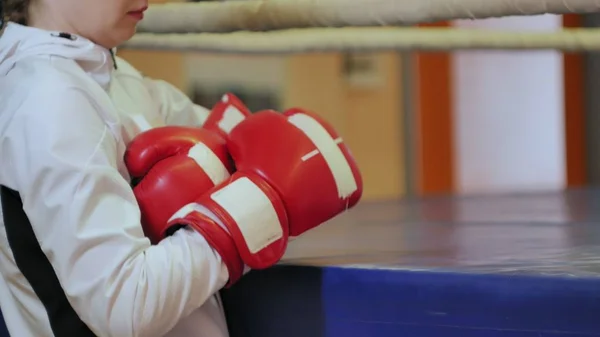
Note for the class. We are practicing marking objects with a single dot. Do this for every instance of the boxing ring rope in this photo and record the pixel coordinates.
(292, 26)
(264, 15)
(368, 39)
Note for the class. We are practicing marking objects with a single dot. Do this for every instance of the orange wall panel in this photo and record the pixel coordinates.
(574, 111)
(435, 143)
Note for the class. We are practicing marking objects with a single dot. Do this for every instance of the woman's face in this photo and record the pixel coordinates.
(105, 22)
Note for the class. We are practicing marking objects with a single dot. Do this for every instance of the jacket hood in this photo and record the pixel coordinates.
(18, 42)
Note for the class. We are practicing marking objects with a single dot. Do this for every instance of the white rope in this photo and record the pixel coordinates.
(368, 39)
(261, 15)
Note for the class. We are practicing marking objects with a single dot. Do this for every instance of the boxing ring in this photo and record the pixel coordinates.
(516, 265)
(510, 265)
(505, 265)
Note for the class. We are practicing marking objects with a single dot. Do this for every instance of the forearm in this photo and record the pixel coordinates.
(157, 287)
(116, 282)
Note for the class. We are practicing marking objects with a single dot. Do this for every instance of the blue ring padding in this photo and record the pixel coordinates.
(332, 302)
(382, 303)
(281, 301)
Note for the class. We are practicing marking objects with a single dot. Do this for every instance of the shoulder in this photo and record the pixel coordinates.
(128, 81)
(47, 106)
(125, 68)
(39, 82)
(48, 93)
(48, 75)
(47, 119)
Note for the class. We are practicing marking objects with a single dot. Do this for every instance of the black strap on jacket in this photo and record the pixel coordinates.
(36, 268)
(1, 14)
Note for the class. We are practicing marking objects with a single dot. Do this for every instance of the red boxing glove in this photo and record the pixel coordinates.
(294, 173)
(225, 115)
(174, 165)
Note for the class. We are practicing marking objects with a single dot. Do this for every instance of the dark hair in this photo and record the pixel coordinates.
(15, 11)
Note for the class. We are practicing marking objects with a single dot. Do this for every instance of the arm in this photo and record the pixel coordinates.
(87, 221)
(175, 107)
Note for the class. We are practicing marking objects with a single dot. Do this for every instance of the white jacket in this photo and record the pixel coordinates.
(66, 116)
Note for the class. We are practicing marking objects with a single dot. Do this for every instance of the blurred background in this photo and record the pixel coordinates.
(465, 122)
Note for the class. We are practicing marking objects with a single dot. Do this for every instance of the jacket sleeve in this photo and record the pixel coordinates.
(175, 106)
(85, 216)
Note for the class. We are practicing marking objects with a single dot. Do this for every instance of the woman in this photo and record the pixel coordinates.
(76, 262)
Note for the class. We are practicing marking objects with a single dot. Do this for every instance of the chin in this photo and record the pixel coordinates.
(123, 35)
